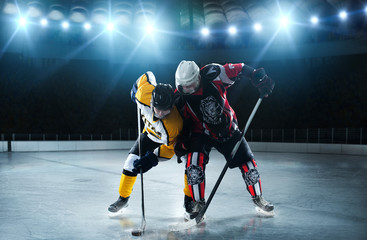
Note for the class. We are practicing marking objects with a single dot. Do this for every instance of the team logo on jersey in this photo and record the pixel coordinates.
(252, 177)
(195, 175)
(211, 110)
(150, 127)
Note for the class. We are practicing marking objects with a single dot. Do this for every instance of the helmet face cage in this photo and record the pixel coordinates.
(161, 114)
(162, 98)
(190, 89)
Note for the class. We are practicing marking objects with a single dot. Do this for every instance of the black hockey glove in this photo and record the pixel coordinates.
(180, 151)
(145, 163)
(262, 82)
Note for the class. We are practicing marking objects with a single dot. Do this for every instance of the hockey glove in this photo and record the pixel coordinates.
(262, 82)
(145, 163)
(180, 152)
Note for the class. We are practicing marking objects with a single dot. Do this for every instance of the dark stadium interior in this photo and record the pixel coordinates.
(56, 81)
(67, 122)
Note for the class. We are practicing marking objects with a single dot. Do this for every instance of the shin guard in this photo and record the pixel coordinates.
(195, 169)
(252, 178)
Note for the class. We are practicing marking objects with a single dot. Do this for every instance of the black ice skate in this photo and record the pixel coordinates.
(192, 208)
(119, 204)
(188, 204)
(263, 206)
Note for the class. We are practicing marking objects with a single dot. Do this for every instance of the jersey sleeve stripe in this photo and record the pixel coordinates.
(224, 77)
(147, 105)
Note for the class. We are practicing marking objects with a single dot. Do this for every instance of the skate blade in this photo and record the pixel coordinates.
(185, 225)
(117, 214)
(265, 213)
(187, 217)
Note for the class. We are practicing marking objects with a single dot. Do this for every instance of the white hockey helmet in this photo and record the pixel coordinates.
(187, 77)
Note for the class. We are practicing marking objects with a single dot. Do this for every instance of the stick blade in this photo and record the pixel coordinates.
(140, 231)
(137, 232)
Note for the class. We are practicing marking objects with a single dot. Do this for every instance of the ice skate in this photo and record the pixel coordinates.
(188, 205)
(192, 208)
(263, 206)
(119, 204)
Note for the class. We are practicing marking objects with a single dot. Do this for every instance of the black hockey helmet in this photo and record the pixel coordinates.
(163, 96)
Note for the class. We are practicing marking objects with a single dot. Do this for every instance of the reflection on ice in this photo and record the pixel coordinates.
(65, 195)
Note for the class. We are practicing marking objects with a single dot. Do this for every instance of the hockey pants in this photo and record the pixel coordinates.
(243, 159)
(128, 178)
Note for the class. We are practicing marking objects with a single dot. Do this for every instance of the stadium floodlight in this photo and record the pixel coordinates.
(22, 21)
(232, 30)
(87, 26)
(149, 29)
(110, 26)
(343, 15)
(284, 21)
(44, 22)
(365, 9)
(314, 20)
(205, 31)
(257, 27)
(65, 25)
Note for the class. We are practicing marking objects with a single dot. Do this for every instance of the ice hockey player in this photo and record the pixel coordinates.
(204, 106)
(162, 124)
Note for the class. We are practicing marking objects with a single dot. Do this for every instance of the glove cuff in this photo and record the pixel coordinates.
(257, 76)
(247, 71)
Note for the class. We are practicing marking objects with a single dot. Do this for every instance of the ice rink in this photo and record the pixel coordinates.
(65, 195)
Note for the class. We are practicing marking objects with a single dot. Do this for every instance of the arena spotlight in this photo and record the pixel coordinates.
(205, 31)
(149, 29)
(343, 15)
(365, 9)
(22, 21)
(232, 30)
(110, 26)
(44, 22)
(284, 21)
(257, 27)
(65, 25)
(314, 20)
(87, 26)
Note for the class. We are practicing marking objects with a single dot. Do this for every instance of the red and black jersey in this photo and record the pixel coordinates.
(208, 108)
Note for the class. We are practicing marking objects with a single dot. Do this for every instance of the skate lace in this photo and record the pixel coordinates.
(198, 206)
(262, 201)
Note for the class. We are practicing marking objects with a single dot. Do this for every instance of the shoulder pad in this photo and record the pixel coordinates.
(151, 78)
(210, 71)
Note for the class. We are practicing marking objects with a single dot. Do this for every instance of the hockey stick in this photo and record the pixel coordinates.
(140, 231)
(200, 216)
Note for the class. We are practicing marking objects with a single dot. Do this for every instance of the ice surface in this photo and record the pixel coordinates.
(65, 195)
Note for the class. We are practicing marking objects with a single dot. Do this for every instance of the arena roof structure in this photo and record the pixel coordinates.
(185, 14)
(187, 24)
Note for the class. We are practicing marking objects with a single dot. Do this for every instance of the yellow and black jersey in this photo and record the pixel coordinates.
(163, 131)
